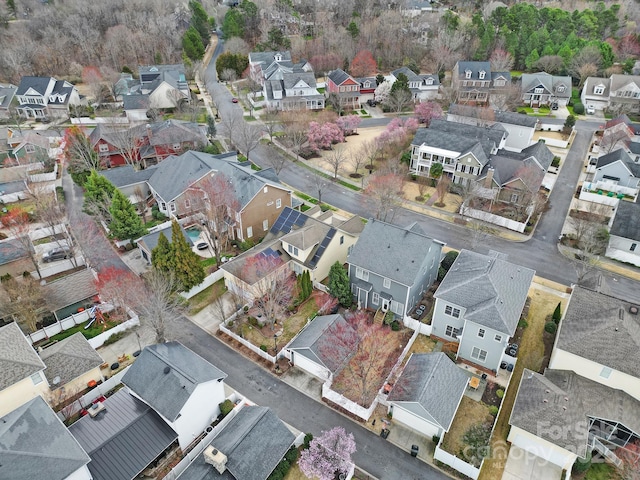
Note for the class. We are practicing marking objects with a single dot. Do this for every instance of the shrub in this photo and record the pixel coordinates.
(435, 439)
(523, 323)
(5, 278)
(493, 410)
(395, 326)
(578, 108)
(389, 317)
(557, 314)
(245, 308)
(555, 162)
(292, 455)
(263, 347)
(307, 440)
(226, 407)
(550, 327)
(253, 321)
(114, 338)
(500, 393)
(581, 466)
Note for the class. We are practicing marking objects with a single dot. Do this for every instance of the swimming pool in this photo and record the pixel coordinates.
(193, 232)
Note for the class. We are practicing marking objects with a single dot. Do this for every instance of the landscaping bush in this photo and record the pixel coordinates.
(555, 162)
(263, 347)
(307, 440)
(292, 455)
(226, 407)
(500, 393)
(156, 214)
(395, 326)
(389, 317)
(578, 108)
(557, 314)
(5, 278)
(245, 308)
(446, 263)
(523, 323)
(493, 410)
(550, 327)
(253, 321)
(114, 338)
(581, 466)
(435, 439)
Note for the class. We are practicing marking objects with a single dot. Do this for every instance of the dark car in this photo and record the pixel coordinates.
(372, 103)
(202, 245)
(234, 100)
(554, 106)
(58, 253)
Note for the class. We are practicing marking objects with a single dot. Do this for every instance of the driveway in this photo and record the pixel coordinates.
(522, 465)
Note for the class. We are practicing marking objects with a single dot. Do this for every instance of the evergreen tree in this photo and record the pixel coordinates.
(211, 126)
(125, 222)
(200, 20)
(557, 313)
(192, 44)
(188, 270)
(97, 195)
(162, 255)
(401, 83)
(339, 286)
(379, 79)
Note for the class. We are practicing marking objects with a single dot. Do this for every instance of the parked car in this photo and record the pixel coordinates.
(372, 103)
(591, 110)
(234, 100)
(554, 106)
(58, 253)
(202, 245)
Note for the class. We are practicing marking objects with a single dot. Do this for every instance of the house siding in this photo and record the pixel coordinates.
(441, 320)
(21, 392)
(542, 448)
(620, 249)
(618, 170)
(309, 366)
(82, 473)
(263, 207)
(407, 414)
(397, 291)
(471, 340)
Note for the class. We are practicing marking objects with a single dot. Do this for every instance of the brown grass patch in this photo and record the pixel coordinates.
(469, 413)
(422, 344)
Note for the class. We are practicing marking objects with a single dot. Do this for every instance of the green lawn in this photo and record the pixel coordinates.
(207, 262)
(601, 471)
(205, 297)
(93, 331)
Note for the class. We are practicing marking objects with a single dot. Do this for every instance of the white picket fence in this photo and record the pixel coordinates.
(344, 402)
(248, 344)
(98, 341)
(417, 325)
(494, 219)
(58, 267)
(44, 177)
(206, 283)
(456, 463)
(585, 194)
(64, 324)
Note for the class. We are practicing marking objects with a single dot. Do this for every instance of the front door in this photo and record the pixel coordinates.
(362, 298)
(385, 304)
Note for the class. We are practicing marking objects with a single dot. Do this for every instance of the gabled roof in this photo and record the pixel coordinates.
(626, 222)
(618, 81)
(269, 57)
(392, 251)
(548, 82)
(18, 359)
(127, 175)
(492, 290)
(136, 101)
(592, 82)
(254, 442)
(7, 92)
(410, 74)
(540, 152)
(123, 439)
(290, 80)
(564, 401)
(150, 240)
(39, 84)
(170, 132)
(339, 76)
(619, 155)
(507, 168)
(315, 342)
(32, 138)
(475, 68)
(434, 382)
(34, 443)
(165, 375)
(62, 89)
(151, 76)
(600, 328)
(495, 135)
(11, 249)
(68, 359)
(509, 118)
(70, 289)
(455, 142)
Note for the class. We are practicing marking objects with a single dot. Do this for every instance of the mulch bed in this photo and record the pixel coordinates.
(547, 339)
(489, 396)
(283, 363)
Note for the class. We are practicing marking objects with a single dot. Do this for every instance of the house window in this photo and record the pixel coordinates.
(30, 148)
(560, 88)
(481, 333)
(296, 268)
(499, 83)
(539, 90)
(396, 307)
(163, 207)
(362, 274)
(633, 247)
(452, 331)
(172, 206)
(467, 74)
(605, 372)
(341, 239)
(454, 312)
(293, 250)
(386, 283)
(36, 378)
(278, 203)
(598, 90)
(177, 146)
(498, 338)
(463, 168)
(482, 74)
(103, 147)
(478, 354)
(187, 203)
(375, 298)
(265, 225)
(249, 232)
(514, 197)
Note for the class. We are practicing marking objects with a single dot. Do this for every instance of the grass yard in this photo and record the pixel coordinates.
(531, 355)
(295, 473)
(422, 344)
(205, 297)
(600, 471)
(208, 262)
(93, 331)
(469, 413)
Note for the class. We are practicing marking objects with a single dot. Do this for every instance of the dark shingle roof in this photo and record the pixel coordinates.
(433, 381)
(68, 359)
(254, 441)
(410, 74)
(168, 392)
(338, 76)
(39, 84)
(600, 328)
(135, 101)
(18, 359)
(150, 241)
(34, 443)
(454, 142)
(404, 251)
(626, 222)
(470, 131)
(7, 93)
(511, 118)
(564, 401)
(70, 289)
(11, 249)
(492, 290)
(475, 68)
(127, 175)
(124, 438)
(614, 156)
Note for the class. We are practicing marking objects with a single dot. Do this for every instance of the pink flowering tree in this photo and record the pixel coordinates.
(322, 136)
(348, 124)
(396, 136)
(427, 111)
(328, 455)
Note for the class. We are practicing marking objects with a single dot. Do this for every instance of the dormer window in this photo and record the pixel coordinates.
(278, 57)
(561, 88)
(366, 84)
(598, 90)
(429, 81)
(539, 90)
(482, 74)
(467, 74)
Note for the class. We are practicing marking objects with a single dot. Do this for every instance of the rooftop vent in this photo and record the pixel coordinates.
(633, 310)
(95, 409)
(167, 369)
(215, 458)
(544, 400)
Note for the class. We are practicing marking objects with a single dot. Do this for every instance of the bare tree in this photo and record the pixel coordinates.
(615, 136)
(65, 401)
(228, 75)
(127, 140)
(295, 125)
(177, 99)
(399, 100)
(78, 151)
(442, 188)
(18, 225)
(230, 125)
(356, 160)
(501, 60)
(385, 190)
(27, 302)
(248, 138)
(271, 121)
(237, 45)
(371, 151)
(507, 98)
(336, 158)
(585, 63)
(317, 184)
(550, 63)
(591, 237)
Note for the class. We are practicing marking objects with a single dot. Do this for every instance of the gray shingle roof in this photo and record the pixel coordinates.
(492, 290)
(124, 438)
(136, 101)
(39, 84)
(35, 444)
(410, 74)
(68, 359)
(547, 81)
(70, 289)
(150, 241)
(600, 328)
(509, 166)
(391, 251)
(433, 381)
(127, 175)
(338, 76)
(470, 131)
(475, 68)
(61, 87)
(617, 155)
(626, 222)
(168, 392)
(562, 401)
(7, 93)
(315, 342)
(269, 57)
(11, 249)
(511, 118)
(18, 359)
(254, 441)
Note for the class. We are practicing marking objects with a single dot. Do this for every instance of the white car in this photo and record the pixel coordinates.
(591, 110)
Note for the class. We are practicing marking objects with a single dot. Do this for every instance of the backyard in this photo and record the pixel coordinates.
(469, 413)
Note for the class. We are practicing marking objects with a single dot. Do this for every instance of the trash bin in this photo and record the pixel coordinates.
(414, 450)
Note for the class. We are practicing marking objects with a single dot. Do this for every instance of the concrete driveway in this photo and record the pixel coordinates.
(522, 465)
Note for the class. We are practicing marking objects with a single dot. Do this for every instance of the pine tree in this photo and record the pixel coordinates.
(98, 192)
(125, 222)
(188, 270)
(162, 255)
(557, 313)
(339, 286)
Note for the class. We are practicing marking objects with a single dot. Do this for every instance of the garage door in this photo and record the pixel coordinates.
(552, 455)
(414, 422)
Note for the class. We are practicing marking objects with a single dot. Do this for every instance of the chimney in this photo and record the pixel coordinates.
(488, 180)
(149, 131)
(215, 458)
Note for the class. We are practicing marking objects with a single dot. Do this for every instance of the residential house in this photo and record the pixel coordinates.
(422, 86)
(123, 437)
(182, 387)
(65, 295)
(599, 339)
(390, 267)
(618, 93)
(126, 85)
(32, 148)
(285, 85)
(314, 349)
(14, 260)
(249, 447)
(136, 106)
(7, 92)
(34, 443)
(520, 128)
(368, 87)
(619, 132)
(166, 85)
(131, 182)
(542, 88)
(148, 242)
(474, 82)
(312, 241)
(260, 195)
(427, 394)
(42, 97)
(624, 233)
(616, 172)
(345, 87)
(562, 416)
(71, 364)
(478, 306)
(21, 370)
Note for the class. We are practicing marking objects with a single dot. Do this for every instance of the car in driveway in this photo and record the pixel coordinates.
(202, 245)
(591, 110)
(55, 254)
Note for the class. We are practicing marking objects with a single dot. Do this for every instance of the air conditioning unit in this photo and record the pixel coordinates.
(95, 409)
(215, 458)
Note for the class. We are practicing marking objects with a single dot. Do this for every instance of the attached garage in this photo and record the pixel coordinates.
(416, 417)
(542, 448)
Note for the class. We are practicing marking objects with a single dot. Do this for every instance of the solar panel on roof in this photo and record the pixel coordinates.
(323, 246)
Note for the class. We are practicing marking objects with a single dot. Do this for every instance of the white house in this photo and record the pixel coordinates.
(166, 85)
(624, 233)
(422, 86)
(618, 92)
(182, 387)
(41, 97)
